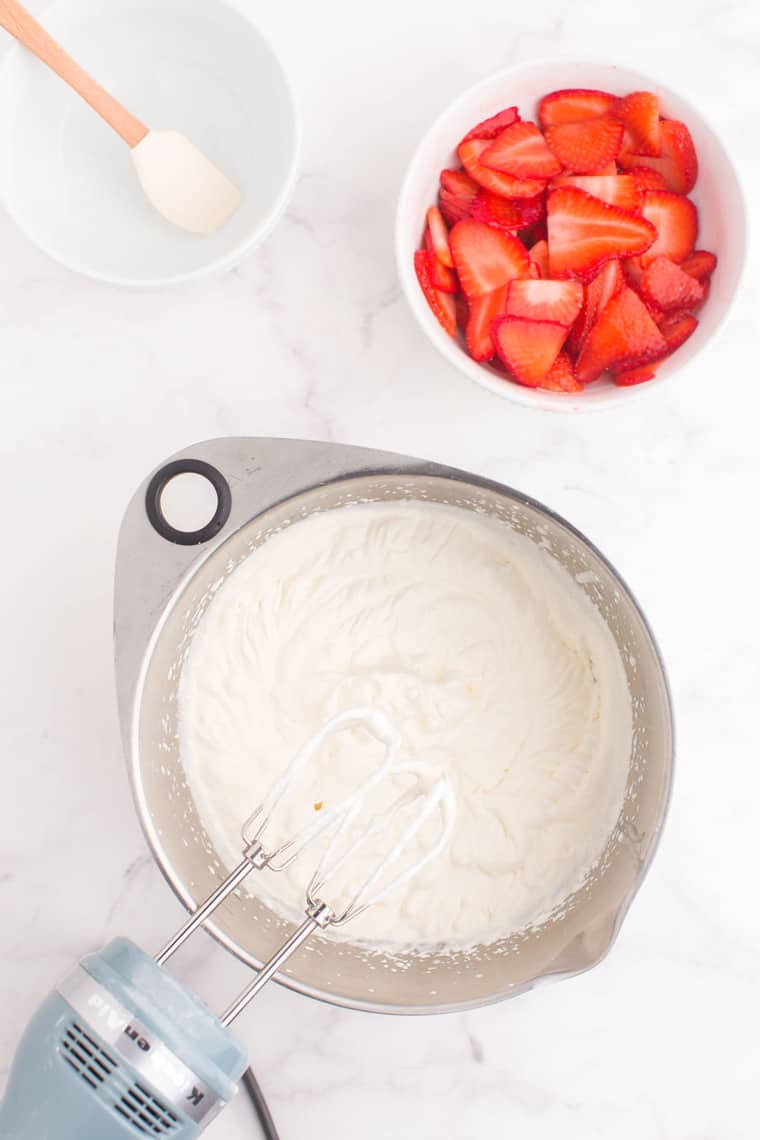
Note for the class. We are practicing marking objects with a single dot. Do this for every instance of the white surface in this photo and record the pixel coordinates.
(717, 195)
(493, 665)
(310, 337)
(196, 66)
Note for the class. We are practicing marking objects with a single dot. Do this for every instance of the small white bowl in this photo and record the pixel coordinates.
(199, 66)
(717, 195)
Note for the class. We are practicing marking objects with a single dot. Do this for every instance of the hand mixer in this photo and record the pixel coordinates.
(122, 1049)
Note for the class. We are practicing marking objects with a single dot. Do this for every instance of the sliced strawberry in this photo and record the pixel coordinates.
(528, 348)
(584, 232)
(676, 328)
(456, 195)
(439, 236)
(616, 190)
(585, 147)
(666, 285)
(459, 184)
(533, 271)
(561, 377)
(462, 310)
(632, 271)
(470, 153)
(583, 323)
(539, 255)
(599, 291)
(521, 151)
(485, 258)
(506, 213)
(442, 277)
(452, 208)
(575, 105)
(608, 281)
(490, 128)
(635, 376)
(640, 114)
(656, 313)
(610, 168)
(677, 162)
(646, 179)
(492, 210)
(483, 312)
(675, 219)
(623, 336)
(700, 264)
(442, 304)
(558, 301)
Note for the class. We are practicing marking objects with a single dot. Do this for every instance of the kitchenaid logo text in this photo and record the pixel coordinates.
(161, 1061)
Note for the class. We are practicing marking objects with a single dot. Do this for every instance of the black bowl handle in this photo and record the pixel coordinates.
(156, 489)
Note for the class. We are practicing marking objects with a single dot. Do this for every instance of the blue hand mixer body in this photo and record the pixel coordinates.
(122, 1049)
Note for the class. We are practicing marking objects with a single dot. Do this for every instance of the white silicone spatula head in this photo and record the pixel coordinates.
(183, 185)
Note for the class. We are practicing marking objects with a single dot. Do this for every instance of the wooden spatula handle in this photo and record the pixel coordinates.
(22, 25)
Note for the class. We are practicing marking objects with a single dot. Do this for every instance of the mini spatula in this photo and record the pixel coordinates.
(183, 185)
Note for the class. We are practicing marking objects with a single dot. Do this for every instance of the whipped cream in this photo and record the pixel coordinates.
(489, 660)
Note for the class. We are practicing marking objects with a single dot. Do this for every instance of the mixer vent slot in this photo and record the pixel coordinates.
(145, 1113)
(86, 1057)
(112, 1084)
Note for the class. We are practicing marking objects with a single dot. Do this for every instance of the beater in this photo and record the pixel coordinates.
(122, 1049)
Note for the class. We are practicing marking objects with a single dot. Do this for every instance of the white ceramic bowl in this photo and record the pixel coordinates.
(718, 196)
(199, 66)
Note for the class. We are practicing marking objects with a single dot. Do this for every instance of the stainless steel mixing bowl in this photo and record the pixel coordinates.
(164, 581)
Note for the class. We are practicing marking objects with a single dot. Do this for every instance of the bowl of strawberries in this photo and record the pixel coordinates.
(569, 234)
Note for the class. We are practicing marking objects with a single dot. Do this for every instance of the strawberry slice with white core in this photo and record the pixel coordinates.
(483, 312)
(639, 112)
(490, 128)
(608, 281)
(678, 159)
(528, 348)
(439, 236)
(667, 286)
(676, 221)
(558, 301)
(584, 148)
(521, 151)
(442, 304)
(623, 336)
(616, 190)
(485, 258)
(442, 277)
(575, 105)
(471, 153)
(584, 232)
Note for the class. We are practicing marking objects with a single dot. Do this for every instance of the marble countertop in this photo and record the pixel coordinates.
(310, 337)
